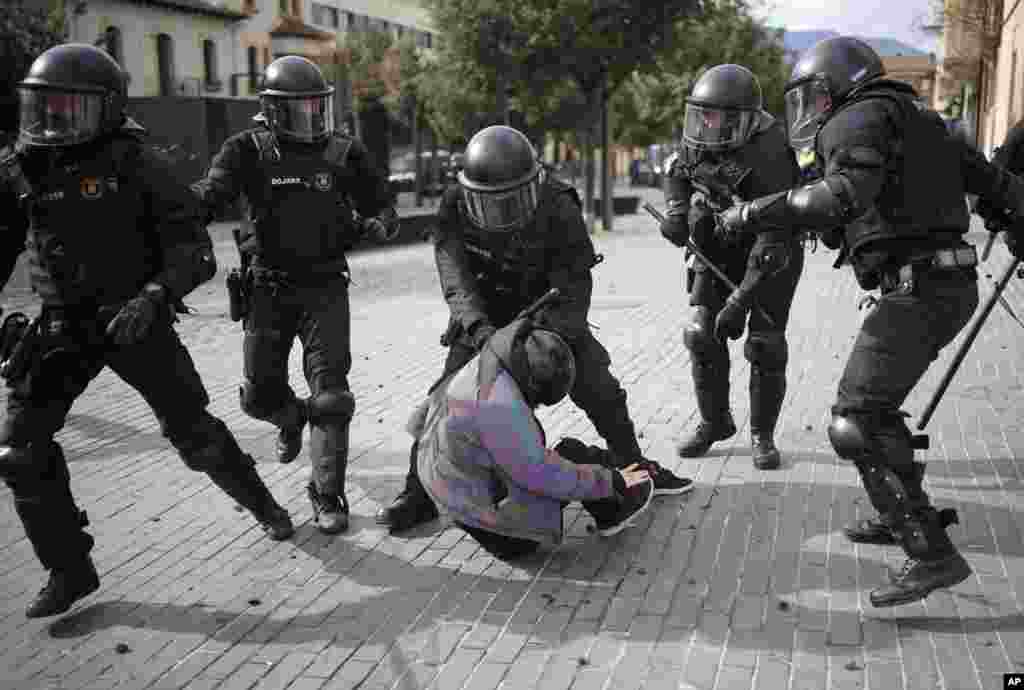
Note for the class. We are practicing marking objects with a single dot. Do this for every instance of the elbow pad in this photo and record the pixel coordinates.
(819, 204)
(188, 267)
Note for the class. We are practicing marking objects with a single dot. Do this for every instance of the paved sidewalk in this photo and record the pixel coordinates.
(745, 583)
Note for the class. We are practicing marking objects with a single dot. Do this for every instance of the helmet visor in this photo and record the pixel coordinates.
(707, 127)
(506, 210)
(305, 118)
(806, 106)
(50, 117)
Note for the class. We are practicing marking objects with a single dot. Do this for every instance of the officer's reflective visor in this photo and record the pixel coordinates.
(58, 118)
(714, 128)
(806, 105)
(502, 211)
(304, 119)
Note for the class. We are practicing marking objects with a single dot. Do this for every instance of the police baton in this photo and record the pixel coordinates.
(966, 344)
(531, 311)
(719, 273)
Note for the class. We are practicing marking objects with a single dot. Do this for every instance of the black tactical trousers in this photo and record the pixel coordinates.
(899, 339)
(766, 348)
(72, 352)
(318, 315)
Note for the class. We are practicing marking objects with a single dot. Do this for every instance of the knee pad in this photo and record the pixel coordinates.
(767, 351)
(17, 463)
(851, 440)
(332, 406)
(261, 400)
(698, 335)
(27, 469)
(208, 444)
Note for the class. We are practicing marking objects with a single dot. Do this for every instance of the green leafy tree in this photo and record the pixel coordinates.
(593, 44)
(24, 34)
(650, 106)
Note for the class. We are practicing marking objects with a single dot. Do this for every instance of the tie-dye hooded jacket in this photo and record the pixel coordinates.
(483, 461)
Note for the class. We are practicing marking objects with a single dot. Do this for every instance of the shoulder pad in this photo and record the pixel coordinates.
(263, 140)
(132, 128)
(336, 151)
(554, 186)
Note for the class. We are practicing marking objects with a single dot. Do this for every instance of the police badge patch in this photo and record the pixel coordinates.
(92, 187)
(322, 181)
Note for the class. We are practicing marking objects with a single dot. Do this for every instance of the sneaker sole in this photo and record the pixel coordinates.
(611, 531)
(674, 492)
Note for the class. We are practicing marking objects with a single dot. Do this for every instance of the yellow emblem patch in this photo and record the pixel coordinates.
(92, 187)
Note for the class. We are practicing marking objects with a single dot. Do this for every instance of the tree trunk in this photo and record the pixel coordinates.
(501, 97)
(435, 169)
(417, 149)
(606, 161)
(588, 178)
(556, 148)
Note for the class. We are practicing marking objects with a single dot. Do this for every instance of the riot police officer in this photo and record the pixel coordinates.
(300, 180)
(79, 165)
(508, 232)
(734, 150)
(893, 188)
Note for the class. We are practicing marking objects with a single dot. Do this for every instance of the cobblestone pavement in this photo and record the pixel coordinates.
(745, 583)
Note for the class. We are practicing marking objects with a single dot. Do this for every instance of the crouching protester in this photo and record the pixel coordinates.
(481, 450)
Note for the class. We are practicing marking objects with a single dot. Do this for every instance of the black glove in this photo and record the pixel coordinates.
(135, 319)
(731, 222)
(385, 231)
(731, 319)
(831, 238)
(480, 334)
(675, 229)
(1015, 243)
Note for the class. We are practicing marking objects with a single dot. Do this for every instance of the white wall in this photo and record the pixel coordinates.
(140, 25)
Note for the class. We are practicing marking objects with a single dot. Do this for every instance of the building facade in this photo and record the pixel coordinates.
(219, 48)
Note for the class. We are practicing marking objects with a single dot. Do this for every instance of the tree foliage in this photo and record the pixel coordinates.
(651, 104)
(556, 52)
(24, 34)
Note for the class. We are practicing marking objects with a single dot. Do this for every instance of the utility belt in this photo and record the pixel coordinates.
(937, 263)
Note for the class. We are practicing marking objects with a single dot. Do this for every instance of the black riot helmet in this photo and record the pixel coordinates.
(723, 109)
(824, 76)
(296, 100)
(72, 94)
(501, 179)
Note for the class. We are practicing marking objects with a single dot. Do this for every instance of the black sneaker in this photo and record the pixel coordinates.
(666, 483)
(63, 589)
(627, 508)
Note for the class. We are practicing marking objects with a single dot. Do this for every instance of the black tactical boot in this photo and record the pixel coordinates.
(766, 455)
(767, 391)
(289, 435)
(932, 560)
(411, 508)
(242, 483)
(65, 586)
(706, 434)
(330, 513)
(711, 386)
